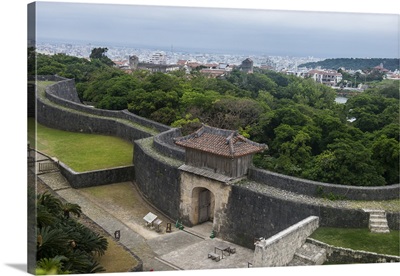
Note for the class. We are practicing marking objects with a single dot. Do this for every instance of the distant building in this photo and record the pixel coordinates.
(329, 77)
(158, 58)
(380, 68)
(213, 73)
(247, 66)
(134, 64)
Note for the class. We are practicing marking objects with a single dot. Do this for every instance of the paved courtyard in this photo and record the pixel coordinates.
(185, 249)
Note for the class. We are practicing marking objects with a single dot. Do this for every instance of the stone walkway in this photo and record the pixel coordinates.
(179, 250)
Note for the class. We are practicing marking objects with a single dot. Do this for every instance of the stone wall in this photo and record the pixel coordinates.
(339, 255)
(251, 214)
(64, 93)
(157, 177)
(164, 143)
(280, 248)
(314, 188)
(393, 220)
(70, 120)
(97, 177)
(189, 206)
(64, 89)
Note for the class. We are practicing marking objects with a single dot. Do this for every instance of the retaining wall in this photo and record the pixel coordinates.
(71, 120)
(339, 255)
(64, 89)
(279, 249)
(157, 177)
(253, 214)
(64, 93)
(97, 177)
(311, 188)
(164, 143)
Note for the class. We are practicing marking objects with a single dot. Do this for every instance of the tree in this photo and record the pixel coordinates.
(63, 244)
(73, 208)
(233, 113)
(100, 54)
(386, 152)
(345, 162)
(51, 266)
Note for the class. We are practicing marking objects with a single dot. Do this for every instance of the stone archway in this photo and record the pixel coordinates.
(203, 199)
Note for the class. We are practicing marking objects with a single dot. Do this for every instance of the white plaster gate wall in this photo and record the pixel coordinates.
(279, 249)
(191, 186)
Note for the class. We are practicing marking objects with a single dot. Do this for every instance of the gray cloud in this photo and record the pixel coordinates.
(325, 34)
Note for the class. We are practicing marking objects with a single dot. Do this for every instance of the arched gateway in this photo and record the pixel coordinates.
(214, 159)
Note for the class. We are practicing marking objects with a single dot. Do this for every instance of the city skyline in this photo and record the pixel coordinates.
(221, 30)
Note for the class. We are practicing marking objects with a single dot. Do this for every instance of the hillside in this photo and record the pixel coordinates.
(307, 133)
(355, 63)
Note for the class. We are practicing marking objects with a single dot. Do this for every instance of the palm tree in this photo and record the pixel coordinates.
(71, 208)
(51, 242)
(51, 266)
(63, 244)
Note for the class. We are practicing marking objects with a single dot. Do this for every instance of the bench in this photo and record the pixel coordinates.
(214, 256)
(232, 250)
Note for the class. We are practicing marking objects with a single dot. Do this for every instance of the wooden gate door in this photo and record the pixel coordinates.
(204, 206)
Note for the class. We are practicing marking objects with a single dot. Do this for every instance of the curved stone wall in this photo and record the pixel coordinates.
(314, 188)
(62, 93)
(163, 142)
(341, 255)
(158, 178)
(65, 89)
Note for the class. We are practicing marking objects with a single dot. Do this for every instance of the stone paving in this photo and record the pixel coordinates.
(178, 250)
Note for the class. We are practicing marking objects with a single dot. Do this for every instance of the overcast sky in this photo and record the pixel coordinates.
(271, 32)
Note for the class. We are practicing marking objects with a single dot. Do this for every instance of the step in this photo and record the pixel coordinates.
(309, 254)
(373, 211)
(378, 223)
(380, 230)
(377, 216)
(378, 227)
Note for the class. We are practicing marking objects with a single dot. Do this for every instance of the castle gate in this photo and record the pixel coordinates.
(206, 212)
(204, 197)
(214, 159)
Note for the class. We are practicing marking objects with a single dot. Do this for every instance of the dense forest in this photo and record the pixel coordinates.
(309, 135)
(355, 63)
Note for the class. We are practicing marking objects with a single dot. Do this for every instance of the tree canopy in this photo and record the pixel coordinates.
(355, 63)
(309, 135)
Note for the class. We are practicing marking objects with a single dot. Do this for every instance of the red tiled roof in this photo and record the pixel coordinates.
(220, 142)
(182, 62)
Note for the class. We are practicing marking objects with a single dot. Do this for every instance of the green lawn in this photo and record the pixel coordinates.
(360, 239)
(81, 151)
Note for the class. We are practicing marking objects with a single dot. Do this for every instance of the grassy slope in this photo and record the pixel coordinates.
(81, 151)
(360, 239)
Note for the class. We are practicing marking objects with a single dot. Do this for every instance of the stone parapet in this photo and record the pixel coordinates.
(340, 255)
(314, 188)
(279, 249)
(97, 177)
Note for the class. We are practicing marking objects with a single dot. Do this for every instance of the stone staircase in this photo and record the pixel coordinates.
(377, 221)
(308, 254)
